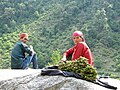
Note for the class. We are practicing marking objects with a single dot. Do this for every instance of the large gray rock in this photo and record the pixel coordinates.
(32, 80)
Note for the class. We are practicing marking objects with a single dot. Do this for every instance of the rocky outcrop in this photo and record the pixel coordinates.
(32, 80)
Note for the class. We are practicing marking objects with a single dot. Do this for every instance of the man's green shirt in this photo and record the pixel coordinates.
(18, 54)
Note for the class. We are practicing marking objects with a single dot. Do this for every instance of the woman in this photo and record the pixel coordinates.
(80, 49)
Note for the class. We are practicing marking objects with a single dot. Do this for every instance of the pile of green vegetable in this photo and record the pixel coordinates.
(81, 67)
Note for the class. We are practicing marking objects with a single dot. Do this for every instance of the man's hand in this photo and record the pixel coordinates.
(31, 47)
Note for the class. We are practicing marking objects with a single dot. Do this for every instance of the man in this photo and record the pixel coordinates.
(19, 59)
(80, 49)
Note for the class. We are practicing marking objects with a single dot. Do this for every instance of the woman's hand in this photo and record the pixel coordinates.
(64, 59)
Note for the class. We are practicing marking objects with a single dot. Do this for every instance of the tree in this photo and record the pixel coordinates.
(56, 57)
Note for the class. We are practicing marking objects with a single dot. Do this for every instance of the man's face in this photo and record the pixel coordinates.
(77, 39)
(24, 39)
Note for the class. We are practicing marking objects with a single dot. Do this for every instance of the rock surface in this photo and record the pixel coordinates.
(32, 80)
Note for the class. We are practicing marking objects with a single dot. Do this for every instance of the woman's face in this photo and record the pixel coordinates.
(77, 39)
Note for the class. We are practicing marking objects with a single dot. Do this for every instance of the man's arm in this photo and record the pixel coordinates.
(27, 49)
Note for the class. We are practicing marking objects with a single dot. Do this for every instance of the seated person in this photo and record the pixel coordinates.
(19, 59)
(80, 49)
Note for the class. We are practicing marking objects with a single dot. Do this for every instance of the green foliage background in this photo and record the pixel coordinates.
(50, 24)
